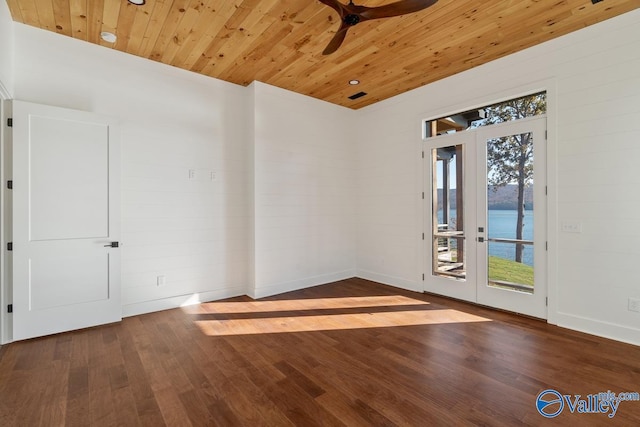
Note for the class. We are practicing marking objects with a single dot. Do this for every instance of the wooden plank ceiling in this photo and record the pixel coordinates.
(280, 42)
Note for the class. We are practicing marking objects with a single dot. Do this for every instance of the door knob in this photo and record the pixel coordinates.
(112, 245)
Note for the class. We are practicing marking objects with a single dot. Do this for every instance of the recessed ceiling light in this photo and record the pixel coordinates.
(137, 2)
(108, 37)
(354, 82)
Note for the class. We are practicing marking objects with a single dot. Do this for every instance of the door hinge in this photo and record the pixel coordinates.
(9, 246)
(546, 190)
(422, 236)
(423, 154)
(546, 134)
(10, 185)
(423, 195)
(423, 276)
(546, 246)
(10, 122)
(10, 308)
(546, 301)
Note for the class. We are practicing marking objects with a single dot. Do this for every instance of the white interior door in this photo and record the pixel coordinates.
(66, 217)
(472, 248)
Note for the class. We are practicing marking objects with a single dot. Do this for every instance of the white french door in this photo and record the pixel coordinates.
(512, 267)
(66, 220)
(450, 216)
(486, 229)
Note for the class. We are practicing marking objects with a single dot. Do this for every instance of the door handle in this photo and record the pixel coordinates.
(112, 245)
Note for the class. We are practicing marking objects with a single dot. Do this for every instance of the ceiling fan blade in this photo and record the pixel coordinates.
(395, 9)
(335, 5)
(337, 40)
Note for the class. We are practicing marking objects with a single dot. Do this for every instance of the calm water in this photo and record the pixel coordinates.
(502, 224)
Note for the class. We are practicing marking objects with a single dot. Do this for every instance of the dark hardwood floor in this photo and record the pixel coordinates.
(350, 353)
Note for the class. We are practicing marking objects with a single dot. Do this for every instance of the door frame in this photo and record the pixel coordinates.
(550, 166)
(5, 216)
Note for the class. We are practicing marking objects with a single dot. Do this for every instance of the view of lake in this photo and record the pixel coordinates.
(502, 224)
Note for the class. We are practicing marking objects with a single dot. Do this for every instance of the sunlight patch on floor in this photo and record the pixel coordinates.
(301, 304)
(330, 322)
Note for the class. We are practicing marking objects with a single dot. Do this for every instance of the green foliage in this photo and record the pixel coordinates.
(510, 271)
(527, 106)
(510, 159)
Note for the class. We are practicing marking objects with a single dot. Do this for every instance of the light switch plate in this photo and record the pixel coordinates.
(571, 227)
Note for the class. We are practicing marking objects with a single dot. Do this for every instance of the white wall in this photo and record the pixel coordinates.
(304, 183)
(6, 49)
(194, 232)
(280, 213)
(389, 203)
(593, 79)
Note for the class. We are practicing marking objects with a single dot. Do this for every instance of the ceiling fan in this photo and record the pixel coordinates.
(351, 14)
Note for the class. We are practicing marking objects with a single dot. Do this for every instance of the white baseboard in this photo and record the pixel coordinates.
(389, 280)
(599, 328)
(577, 323)
(180, 301)
(307, 282)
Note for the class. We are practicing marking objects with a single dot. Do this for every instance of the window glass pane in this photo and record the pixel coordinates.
(519, 108)
(448, 213)
(510, 212)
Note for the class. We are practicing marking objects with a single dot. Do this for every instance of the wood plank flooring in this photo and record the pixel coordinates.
(351, 353)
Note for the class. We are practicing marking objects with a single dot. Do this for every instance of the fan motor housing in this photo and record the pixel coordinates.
(351, 19)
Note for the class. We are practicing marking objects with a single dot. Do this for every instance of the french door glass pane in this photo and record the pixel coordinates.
(448, 238)
(510, 212)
